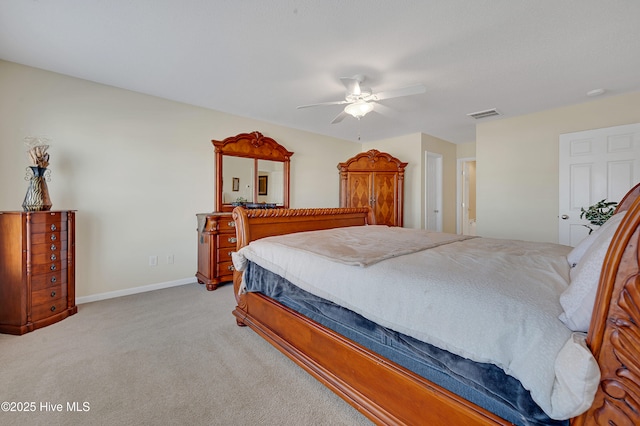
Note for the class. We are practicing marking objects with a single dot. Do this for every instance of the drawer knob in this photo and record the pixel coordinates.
(54, 279)
(53, 247)
(230, 253)
(232, 239)
(53, 257)
(231, 268)
(53, 237)
(53, 227)
(53, 267)
(53, 308)
(231, 224)
(53, 294)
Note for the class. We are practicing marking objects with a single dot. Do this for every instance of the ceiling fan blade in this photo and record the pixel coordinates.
(340, 117)
(323, 104)
(386, 111)
(382, 109)
(405, 91)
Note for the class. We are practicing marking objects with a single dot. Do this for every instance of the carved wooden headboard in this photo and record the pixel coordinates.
(614, 336)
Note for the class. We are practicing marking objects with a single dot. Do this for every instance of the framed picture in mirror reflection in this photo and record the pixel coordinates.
(262, 185)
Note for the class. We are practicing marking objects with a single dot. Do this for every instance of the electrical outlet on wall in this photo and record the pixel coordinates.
(153, 260)
(169, 259)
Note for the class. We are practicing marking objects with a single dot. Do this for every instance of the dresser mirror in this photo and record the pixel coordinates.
(251, 170)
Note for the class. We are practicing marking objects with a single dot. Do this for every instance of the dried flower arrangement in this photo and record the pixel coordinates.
(37, 151)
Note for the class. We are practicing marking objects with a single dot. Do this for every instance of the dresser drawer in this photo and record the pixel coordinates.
(225, 269)
(226, 240)
(49, 266)
(51, 279)
(45, 310)
(227, 224)
(224, 254)
(50, 247)
(48, 237)
(52, 256)
(48, 295)
(48, 222)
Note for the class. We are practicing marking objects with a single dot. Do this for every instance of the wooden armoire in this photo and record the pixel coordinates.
(375, 179)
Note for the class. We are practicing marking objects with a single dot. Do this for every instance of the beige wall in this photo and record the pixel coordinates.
(466, 150)
(517, 165)
(137, 169)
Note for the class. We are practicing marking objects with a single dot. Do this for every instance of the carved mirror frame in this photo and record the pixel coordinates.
(255, 146)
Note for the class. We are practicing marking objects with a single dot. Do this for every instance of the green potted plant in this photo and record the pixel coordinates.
(598, 213)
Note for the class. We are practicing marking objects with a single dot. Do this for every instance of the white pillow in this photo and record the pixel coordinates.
(608, 228)
(578, 251)
(578, 299)
(577, 376)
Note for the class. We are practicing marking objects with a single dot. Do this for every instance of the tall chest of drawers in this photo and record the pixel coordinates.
(37, 269)
(216, 242)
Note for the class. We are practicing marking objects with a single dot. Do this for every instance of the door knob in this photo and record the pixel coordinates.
(565, 216)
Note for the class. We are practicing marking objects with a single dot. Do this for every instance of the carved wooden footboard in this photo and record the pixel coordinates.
(390, 394)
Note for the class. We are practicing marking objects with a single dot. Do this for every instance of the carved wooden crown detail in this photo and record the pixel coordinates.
(253, 145)
(368, 160)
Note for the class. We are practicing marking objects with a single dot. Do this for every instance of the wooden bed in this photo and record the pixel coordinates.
(389, 394)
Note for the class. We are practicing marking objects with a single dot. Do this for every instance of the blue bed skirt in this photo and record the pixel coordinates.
(483, 384)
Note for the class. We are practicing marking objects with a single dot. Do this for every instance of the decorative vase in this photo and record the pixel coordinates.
(37, 197)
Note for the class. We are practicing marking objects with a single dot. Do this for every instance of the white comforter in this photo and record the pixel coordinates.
(487, 300)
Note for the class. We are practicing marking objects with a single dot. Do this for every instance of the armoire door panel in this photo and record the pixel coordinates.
(359, 185)
(385, 203)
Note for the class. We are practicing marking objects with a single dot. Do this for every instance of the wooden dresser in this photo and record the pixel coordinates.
(375, 179)
(216, 241)
(37, 269)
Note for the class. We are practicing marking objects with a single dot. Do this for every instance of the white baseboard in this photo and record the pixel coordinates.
(134, 290)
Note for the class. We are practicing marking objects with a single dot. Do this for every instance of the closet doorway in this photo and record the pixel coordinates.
(466, 196)
(433, 193)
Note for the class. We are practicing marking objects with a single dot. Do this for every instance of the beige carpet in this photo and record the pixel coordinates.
(172, 356)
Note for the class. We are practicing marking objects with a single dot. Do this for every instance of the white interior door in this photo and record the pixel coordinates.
(594, 165)
(433, 195)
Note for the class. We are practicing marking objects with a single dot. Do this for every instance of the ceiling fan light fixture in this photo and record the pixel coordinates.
(359, 109)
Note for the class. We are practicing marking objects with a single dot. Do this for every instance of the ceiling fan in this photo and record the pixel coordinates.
(360, 100)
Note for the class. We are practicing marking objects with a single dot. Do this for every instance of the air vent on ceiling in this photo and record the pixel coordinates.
(484, 114)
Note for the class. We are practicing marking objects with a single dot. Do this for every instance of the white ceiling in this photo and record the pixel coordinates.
(261, 59)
